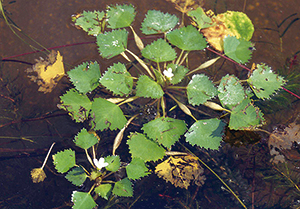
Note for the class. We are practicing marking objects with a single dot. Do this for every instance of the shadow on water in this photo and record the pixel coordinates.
(30, 121)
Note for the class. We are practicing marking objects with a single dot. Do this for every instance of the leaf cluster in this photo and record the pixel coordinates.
(162, 77)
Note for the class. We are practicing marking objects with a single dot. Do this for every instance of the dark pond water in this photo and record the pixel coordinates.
(30, 121)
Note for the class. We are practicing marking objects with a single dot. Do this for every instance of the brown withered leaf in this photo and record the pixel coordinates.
(47, 73)
(215, 34)
(283, 140)
(181, 170)
(185, 6)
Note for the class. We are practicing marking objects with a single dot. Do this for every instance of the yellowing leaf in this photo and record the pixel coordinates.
(37, 175)
(47, 72)
(181, 170)
(215, 34)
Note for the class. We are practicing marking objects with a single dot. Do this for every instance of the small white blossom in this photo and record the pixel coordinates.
(100, 163)
(168, 73)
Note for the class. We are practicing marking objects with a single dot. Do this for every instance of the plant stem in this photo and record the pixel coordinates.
(89, 158)
(184, 57)
(176, 87)
(178, 59)
(47, 156)
(142, 63)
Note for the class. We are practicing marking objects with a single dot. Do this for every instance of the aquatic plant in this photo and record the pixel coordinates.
(163, 78)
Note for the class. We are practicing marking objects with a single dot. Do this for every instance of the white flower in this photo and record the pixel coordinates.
(168, 73)
(100, 163)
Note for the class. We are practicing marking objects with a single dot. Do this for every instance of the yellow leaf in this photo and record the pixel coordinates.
(215, 34)
(181, 170)
(38, 175)
(47, 73)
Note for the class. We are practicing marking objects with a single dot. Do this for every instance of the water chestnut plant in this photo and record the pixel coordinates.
(160, 73)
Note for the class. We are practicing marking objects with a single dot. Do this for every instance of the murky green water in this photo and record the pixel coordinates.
(30, 120)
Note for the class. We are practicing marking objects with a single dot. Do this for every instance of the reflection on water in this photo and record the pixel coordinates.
(30, 120)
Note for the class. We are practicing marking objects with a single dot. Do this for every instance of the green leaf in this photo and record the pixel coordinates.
(85, 77)
(76, 176)
(147, 150)
(90, 21)
(82, 200)
(113, 163)
(157, 22)
(64, 160)
(237, 49)
(231, 91)
(264, 81)
(120, 16)
(201, 19)
(78, 105)
(159, 51)
(200, 89)
(245, 116)
(136, 169)
(107, 115)
(187, 38)
(239, 24)
(179, 72)
(206, 133)
(123, 188)
(146, 87)
(85, 140)
(165, 131)
(112, 43)
(117, 79)
(104, 190)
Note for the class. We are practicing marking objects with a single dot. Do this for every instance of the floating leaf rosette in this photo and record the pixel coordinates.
(64, 160)
(206, 133)
(85, 77)
(264, 81)
(120, 16)
(112, 43)
(143, 148)
(148, 88)
(237, 49)
(117, 79)
(104, 190)
(84, 139)
(83, 200)
(90, 21)
(159, 51)
(107, 115)
(164, 130)
(123, 188)
(78, 105)
(245, 116)
(201, 20)
(200, 89)
(187, 38)
(157, 22)
(136, 169)
(230, 91)
(76, 176)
